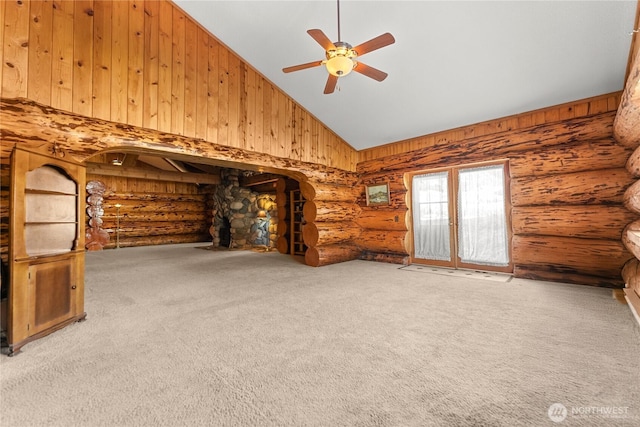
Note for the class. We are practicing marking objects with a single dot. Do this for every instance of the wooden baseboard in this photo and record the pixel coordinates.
(634, 302)
(618, 295)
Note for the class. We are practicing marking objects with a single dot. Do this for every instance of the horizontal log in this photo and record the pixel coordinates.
(626, 126)
(496, 145)
(259, 179)
(589, 257)
(384, 219)
(156, 197)
(330, 254)
(589, 222)
(592, 187)
(394, 179)
(157, 240)
(127, 206)
(402, 259)
(576, 157)
(329, 192)
(384, 241)
(565, 275)
(157, 228)
(82, 137)
(329, 211)
(397, 200)
(328, 233)
(156, 216)
(283, 245)
(104, 169)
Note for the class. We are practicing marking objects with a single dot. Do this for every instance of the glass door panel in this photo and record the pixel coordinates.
(482, 222)
(460, 218)
(432, 219)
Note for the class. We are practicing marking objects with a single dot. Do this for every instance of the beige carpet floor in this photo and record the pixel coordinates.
(182, 337)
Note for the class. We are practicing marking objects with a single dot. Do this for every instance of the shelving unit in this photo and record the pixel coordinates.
(297, 222)
(46, 254)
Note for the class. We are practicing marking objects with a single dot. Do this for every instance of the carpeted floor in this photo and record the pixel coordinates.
(183, 337)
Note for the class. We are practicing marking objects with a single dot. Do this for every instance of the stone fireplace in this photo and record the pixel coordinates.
(242, 219)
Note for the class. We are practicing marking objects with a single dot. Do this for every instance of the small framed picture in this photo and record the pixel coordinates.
(377, 194)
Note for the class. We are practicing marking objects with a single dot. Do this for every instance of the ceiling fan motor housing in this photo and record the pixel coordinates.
(341, 60)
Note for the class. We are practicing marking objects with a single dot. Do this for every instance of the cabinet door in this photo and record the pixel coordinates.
(52, 288)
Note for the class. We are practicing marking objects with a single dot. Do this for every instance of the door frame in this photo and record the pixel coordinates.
(455, 262)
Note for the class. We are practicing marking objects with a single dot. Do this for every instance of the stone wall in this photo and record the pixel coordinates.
(253, 217)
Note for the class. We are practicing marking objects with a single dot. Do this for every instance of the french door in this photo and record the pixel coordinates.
(461, 217)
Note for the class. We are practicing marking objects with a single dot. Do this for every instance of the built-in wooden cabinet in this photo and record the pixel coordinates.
(46, 253)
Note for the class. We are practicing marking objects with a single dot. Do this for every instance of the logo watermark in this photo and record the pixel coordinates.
(558, 412)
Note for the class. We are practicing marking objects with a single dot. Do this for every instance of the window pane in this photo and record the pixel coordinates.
(482, 223)
(431, 216)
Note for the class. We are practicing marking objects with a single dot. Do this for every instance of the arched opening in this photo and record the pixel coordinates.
(152, 197)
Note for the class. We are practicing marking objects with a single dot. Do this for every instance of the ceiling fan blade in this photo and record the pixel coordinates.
(322, 39)
(302, 66)
(368, 71)
(375, 43)
(331, 84)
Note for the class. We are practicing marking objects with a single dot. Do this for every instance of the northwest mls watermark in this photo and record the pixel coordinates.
(558, 412)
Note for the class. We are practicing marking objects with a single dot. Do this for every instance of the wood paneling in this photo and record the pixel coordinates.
(62, 64)
(82, 56)
(509, 126)
(135, 75)
(145, 63)
(101, 97)
(15, 49)
(40, 51)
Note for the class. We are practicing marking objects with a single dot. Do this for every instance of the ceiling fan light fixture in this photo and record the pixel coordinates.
(339, 66)
(341, 56)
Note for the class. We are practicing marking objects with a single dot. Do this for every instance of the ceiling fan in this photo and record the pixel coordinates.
(341, 57)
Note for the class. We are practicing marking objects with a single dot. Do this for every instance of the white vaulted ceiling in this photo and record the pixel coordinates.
(454, 63)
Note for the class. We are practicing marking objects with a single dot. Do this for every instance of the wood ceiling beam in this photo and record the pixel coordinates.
(129, 172)
(259, 179)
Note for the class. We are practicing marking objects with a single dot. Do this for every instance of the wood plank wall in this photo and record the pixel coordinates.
(154, 212)
(146, 63)
(567, 183)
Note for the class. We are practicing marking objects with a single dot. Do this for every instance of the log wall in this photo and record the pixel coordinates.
(154, 212)
(567, 185)
(146, 63)
(627, 132)
(330, 231)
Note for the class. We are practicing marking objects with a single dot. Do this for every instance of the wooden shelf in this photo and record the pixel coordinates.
(297, 222)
